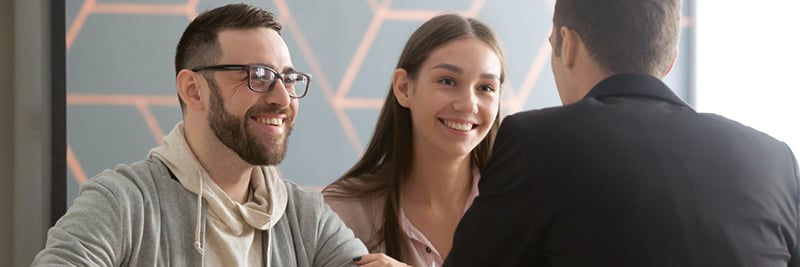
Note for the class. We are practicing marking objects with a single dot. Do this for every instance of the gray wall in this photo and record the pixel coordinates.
(7, 129)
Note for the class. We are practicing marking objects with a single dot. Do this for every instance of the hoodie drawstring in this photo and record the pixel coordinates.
(269, 247)
(197, 245)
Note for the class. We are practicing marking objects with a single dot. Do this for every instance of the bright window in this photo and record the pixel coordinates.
(748, 63)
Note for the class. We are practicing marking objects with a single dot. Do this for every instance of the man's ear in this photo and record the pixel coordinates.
(569, 46)
(671, 64)
(188, 85)
(400, 86)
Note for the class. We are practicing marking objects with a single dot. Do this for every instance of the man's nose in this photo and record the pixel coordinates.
(278, 95)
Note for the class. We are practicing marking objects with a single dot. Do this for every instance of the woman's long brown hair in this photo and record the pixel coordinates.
(387, 161)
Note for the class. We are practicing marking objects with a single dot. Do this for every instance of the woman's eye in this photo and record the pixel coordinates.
(486, 88)
(447, 81)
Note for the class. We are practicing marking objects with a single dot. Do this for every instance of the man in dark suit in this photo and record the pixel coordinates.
(625, 173)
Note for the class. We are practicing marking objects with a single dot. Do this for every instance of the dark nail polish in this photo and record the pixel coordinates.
(357, 258)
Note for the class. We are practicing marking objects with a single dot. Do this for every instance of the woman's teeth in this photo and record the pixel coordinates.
(458, 126)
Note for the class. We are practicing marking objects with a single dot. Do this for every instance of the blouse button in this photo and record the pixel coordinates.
(428, 249)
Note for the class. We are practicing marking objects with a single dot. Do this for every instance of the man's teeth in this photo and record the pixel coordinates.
(459, 126)
(271, 121)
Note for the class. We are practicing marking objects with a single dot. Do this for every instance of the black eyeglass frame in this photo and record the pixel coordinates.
(247, 68)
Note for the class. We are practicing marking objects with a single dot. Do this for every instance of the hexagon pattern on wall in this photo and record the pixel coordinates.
(121, 97)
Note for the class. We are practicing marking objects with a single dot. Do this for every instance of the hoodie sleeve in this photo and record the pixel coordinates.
(89, 234)
(795, 251)
(310, 234)
(336, 246)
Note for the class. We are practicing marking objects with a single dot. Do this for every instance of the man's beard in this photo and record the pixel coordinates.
(232, 131)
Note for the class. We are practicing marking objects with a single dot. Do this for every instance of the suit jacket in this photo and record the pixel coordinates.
(631, 176)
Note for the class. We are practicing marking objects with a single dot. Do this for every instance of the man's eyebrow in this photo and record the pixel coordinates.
(288, 69)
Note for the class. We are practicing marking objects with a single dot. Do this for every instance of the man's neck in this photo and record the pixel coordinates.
(585, 81)
(584, 74)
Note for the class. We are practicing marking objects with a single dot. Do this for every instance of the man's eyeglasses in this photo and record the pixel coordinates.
(261, 79)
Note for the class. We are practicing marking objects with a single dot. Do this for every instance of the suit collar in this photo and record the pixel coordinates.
(637, 85)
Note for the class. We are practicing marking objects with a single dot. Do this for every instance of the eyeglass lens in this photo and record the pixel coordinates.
(263, 79)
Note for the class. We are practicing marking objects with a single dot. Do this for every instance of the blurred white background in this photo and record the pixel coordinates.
(747, 57)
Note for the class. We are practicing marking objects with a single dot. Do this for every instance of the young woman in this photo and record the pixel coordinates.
(420, 172)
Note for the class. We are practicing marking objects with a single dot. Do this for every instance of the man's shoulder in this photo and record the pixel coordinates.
(303, 200)
(309, 202)
(305, 207)
(133, 178)
(299, 193)
(540, 118)
(551, 113)
(735, 132)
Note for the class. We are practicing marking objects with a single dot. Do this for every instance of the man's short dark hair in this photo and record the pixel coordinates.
(199, 45)
(623, 36)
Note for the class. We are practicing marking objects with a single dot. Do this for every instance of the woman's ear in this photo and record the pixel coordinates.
(187, 83)
(400, 86)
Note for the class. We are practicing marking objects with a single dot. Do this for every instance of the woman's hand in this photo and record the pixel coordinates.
(377, 259)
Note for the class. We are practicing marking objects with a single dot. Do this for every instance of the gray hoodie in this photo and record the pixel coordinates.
(141, 215)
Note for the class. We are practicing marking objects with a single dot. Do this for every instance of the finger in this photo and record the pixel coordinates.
(364, 259)
(382, 263)
(376, 260)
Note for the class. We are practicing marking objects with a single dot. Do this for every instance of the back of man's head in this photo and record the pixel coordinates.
(198, 45)
(623, 36)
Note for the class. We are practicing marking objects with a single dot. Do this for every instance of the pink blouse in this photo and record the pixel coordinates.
(365, 217)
